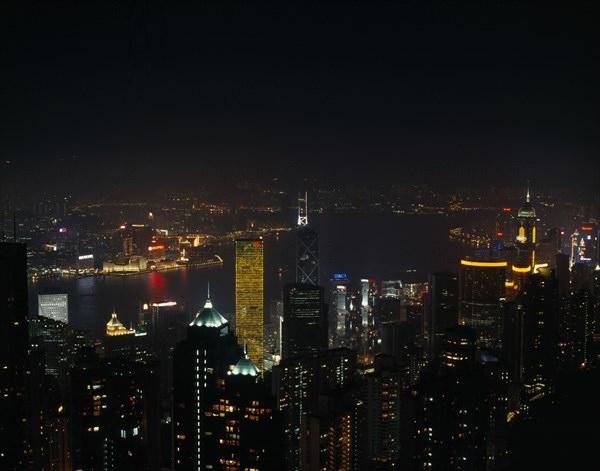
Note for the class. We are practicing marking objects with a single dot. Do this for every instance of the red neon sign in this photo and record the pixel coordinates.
(156, 247)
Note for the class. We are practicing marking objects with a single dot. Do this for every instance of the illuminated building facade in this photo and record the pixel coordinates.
(54, 304)
(526, 234)
(481, 296)
(381, 395)
(249, 297)
(243, 430)
(304, 326)
(307, 246)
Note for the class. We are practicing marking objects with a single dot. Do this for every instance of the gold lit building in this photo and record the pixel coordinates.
(115, 328)
(249, 297)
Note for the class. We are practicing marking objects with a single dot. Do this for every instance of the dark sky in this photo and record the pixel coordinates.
(465, 91)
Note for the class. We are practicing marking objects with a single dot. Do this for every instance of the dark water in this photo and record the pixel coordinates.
(362, 246)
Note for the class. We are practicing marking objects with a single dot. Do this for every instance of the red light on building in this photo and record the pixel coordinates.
(156, 247)
(586, 228)
(371, 280)
(499, 234)
(256, 243)
(506, 210)
(423, 293)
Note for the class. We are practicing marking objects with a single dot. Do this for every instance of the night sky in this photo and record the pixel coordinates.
(461, 91)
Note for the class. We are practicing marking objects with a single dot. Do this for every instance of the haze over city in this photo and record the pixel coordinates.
(342, 236)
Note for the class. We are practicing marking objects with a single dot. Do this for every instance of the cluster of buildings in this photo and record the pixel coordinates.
(388, 376)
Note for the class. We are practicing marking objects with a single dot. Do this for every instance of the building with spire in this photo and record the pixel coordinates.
(526, 237)
(307, 246)
(200, 363)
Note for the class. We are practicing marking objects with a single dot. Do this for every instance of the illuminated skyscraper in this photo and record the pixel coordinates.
(249, 297)
(481, 294)
(526, 236)
(307, 247)
(54, 304)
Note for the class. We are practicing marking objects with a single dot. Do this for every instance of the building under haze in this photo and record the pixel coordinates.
(249, 297)
(307, 247)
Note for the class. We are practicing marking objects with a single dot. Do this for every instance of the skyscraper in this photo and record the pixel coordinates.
(481, 294)
(304, 328)
(13, 354)
(249, 297)
(307, 247)
(54, 304)
(442, 308)
(199, 363)
(526, 238)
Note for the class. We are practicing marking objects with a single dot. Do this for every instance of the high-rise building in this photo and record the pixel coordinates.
(297, 384)
(242, 429)
(381, 396)
(54, 336)
(304, 326)
(115, 415)
(307, 247)
(13, 355)
(54, 304)
(541, 309)
(199, 364)
(526, 235)
(249, 297)
(481, 295)
(442, 308)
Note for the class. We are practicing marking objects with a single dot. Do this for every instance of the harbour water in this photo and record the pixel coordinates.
(378, 246)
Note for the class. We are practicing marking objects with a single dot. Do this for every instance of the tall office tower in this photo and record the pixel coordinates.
(307, 247)
(329, 438)
(340, 287)
(54, 304)
(442, 308)
(481, 295)
(297, 384)
(461, 410)
(249, 297)
(304, 326)
(115, 415)
(13, 355)
(54, 337)
(540, 301)
(526, 237)
(242, 428)
(199, 364)
(381, 396)
(577, 328)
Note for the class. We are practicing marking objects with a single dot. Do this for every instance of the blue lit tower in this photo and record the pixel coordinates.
(307, 247)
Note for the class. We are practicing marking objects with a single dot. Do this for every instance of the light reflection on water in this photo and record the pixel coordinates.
(373, 246)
